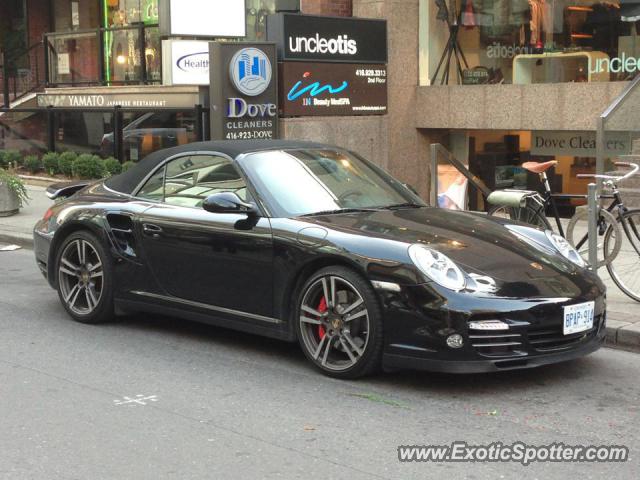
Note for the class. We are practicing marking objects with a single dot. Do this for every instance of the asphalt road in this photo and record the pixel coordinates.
(230, 405)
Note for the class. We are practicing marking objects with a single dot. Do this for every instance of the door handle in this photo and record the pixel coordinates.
(151, 230)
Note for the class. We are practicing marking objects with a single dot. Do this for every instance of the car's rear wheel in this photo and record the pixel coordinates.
(85, 278)
(339, 323)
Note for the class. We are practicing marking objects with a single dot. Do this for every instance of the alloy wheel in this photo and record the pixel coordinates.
(81, 277)
(334, 323)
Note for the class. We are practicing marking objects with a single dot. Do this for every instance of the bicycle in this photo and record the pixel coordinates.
(615, 223)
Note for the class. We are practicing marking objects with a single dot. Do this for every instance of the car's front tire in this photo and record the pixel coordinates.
(85, 278)
(339, 323)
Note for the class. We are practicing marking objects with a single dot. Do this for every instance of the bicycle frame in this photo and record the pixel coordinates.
(617, 206)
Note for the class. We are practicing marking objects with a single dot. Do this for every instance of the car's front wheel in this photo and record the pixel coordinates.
(339, 323)
(85, 278)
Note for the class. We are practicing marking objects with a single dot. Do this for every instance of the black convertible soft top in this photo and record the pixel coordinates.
(126, 182)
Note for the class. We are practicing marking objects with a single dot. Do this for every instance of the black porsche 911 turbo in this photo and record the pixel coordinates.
(308, 242)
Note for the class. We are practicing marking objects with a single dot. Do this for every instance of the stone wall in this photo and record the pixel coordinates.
(552, 106)
(366, 135)
(336, 8)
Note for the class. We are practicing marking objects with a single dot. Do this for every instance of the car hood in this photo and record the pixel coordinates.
(480, 245)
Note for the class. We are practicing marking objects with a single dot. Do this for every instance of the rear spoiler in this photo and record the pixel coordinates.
(66, 189)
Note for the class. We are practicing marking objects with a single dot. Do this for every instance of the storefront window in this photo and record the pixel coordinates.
(124, 57)
(152, 54)
(121, 13)
(496, 158)
(74, 58)
(13, 26)
(533, 41)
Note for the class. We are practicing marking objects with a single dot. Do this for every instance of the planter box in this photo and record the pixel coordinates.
(9, 203)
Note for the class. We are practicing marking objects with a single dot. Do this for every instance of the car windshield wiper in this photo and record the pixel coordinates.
(338, 210)
(402, 205)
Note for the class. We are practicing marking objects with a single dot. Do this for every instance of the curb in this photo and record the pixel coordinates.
(621, 335)
(25, 241)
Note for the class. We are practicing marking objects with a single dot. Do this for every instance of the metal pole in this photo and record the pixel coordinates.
(5, 78)
(198, 123)
(51, 129)
(593, 225)
(142, 45)
(433, 191)
(600, 149)
(118, 134)
(47, 72)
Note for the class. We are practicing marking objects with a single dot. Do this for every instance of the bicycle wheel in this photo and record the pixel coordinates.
(525, 214)
(577, 235)
(624, 267)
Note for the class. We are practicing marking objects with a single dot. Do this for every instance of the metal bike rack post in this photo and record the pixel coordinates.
(433, 191)
(593, 225)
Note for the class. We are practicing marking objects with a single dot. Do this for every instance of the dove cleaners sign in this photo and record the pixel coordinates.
(243, 91)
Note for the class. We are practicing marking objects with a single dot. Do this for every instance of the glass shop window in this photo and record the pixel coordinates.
(532, 41)
(123, 13)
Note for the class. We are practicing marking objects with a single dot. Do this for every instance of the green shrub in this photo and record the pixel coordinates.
(100, 168)
(32, 163)
(13, 158)
(50, 163)
(127, 165)
(15, 185)
(3, 163)
(65, 163)
(83, 166)
(112, 166)
(88, 166)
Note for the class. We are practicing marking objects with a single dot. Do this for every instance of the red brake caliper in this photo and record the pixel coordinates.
(322, 307)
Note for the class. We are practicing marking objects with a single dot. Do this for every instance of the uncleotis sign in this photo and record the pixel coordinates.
(243, 91)
(328, 39)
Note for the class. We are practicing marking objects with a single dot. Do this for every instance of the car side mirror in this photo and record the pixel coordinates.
(227, 202)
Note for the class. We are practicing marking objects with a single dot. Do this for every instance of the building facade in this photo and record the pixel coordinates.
(497, 82)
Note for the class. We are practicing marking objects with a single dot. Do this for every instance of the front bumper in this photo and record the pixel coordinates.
(419, 319)
(398, 361)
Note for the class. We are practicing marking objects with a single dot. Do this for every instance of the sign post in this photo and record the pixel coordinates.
(244, 98)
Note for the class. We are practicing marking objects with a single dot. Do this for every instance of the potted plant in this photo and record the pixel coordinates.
(13, 193)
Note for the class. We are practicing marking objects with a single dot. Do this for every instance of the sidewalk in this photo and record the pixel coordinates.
(18, 228)
(623, 313)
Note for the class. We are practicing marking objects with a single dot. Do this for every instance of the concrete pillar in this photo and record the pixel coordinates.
(408, 152)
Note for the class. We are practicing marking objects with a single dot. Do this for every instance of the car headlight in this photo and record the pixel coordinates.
(437, 266)
(565, 248)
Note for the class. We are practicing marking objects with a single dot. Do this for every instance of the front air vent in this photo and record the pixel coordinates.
(547, 339)
(495, 343)
(121, 227)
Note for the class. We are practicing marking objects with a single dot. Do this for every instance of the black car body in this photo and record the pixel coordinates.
(248, 268)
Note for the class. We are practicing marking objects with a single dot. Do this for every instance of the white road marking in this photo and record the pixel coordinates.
(138, 400)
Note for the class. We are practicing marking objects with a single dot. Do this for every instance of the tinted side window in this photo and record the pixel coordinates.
(154, 188)
(189, 180)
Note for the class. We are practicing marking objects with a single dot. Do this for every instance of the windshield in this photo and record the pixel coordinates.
(303, 182)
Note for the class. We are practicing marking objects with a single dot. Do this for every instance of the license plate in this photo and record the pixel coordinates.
(578, 318)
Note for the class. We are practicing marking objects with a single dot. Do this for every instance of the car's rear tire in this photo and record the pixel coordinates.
(338, 322)
(85, 278)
